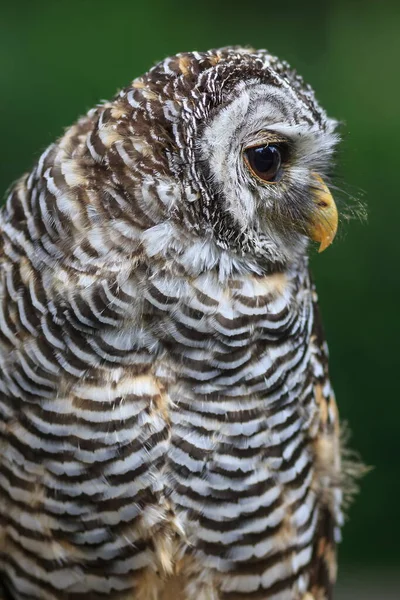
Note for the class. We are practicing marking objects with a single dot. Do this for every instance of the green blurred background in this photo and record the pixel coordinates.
(58, 58)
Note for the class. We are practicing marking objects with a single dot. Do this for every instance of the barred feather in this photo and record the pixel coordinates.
(166, 417)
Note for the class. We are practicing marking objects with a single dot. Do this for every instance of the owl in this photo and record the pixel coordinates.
(167, 424)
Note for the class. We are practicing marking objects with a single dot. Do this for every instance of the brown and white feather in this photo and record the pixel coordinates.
(167, 425)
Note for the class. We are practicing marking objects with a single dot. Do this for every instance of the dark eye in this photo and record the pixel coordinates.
(265, 162)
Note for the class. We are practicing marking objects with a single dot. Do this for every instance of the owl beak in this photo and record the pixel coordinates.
(324, 218)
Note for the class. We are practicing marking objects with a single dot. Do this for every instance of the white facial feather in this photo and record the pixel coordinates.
(256, 111)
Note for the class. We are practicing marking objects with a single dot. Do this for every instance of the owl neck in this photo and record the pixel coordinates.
(196, 256)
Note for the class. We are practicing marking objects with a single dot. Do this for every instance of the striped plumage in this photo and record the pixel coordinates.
(167, 424)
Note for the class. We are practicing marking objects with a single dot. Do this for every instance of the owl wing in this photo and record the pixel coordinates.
(326, 447)
(82, 429)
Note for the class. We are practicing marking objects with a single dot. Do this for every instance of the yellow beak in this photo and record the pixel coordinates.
(324, 219)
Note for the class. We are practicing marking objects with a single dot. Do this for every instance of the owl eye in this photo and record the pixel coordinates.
(265, 162)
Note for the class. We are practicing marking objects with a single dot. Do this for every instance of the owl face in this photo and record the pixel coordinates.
(237, 148)
(266, 158)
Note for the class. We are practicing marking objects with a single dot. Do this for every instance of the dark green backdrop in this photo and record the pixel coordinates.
(58, 58)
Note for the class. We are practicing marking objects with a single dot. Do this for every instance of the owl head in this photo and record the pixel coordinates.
(228, 149)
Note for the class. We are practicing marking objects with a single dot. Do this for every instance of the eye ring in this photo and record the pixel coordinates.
(265, 162)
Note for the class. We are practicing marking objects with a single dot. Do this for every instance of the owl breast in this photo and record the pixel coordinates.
(238, 468)
(189, 435)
